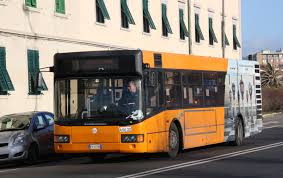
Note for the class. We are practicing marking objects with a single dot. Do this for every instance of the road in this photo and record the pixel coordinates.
(259, 156)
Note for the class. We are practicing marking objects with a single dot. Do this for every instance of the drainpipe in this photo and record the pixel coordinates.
(223, 29)
(189, 27)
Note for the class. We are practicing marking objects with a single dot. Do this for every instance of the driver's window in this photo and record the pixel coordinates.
(40, 122)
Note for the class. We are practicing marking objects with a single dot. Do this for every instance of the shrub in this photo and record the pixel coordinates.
(272, 99)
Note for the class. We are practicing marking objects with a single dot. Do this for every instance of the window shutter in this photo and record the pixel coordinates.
(33, 3)
(226, 40)
(182, 22)
(63, 6)
(127, 11)
(28, 2)
(103, 9)
(235, 38)
(211, 31)
(165, 19)
(5, 80)
(198, 29)
(147, 14)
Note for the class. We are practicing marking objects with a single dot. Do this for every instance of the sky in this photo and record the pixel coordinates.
(262, 25)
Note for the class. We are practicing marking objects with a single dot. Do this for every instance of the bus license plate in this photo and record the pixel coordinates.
(95, 146)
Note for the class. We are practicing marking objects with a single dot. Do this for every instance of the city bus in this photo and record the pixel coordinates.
(133, 101)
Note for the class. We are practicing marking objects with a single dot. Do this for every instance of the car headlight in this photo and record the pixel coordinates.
(62, 139)
(133, 138)
(19, 139)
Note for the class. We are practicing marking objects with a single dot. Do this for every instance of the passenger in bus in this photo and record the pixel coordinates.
(130, 99)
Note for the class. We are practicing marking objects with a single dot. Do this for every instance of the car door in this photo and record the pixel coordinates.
(50, 121)
(40, 133)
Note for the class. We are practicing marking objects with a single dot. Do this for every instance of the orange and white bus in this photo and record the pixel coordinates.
(133, 101)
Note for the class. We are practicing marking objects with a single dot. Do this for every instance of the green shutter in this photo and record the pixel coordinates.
(235, 36)
(28, 2)
(198, 27)
(211, 31)
(147, 15)
(226, 40)
(60, 6)
(103, 9)
(33, 3)
(5, 80)
(182, 22)
(165, 19)
(127, 11)
(33, 69)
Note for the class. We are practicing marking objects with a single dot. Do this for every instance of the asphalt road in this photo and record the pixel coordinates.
(259, 156)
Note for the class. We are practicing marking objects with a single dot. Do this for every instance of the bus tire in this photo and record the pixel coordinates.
(239, 133)
(173, 141)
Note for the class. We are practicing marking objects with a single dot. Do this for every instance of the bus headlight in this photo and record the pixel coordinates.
(62, 139)
(133, 138)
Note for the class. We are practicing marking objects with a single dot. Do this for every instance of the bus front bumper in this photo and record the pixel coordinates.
(100, 148)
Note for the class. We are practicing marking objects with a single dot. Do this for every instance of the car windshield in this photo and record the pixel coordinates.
(19, 122)
(98, 99)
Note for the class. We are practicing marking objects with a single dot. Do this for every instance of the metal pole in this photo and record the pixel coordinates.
(223, 29)
(189, 27)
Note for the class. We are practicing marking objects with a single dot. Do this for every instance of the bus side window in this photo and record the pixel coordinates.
(173, 89)
(211, 89)
(192, 89)
(152, 92)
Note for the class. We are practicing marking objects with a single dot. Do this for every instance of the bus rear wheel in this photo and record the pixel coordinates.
(239, 133)
(174, 141)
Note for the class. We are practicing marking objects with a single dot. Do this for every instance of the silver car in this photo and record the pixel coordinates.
(26, 136)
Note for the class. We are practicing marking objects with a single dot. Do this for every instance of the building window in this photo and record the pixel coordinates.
(101, 11)
(31, 3)
(236, 43)
(33, 70)
(212, 36)
(147, 20)
(183, 29)
(126, 15)
(198, 32)
(166, 28)
(60, 6)
(6, 84)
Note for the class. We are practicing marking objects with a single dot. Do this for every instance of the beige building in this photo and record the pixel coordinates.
(267, 56)
(32, 31)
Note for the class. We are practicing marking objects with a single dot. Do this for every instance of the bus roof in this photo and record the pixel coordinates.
(183, 61)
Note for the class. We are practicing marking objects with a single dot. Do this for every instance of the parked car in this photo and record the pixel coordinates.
(26, 136)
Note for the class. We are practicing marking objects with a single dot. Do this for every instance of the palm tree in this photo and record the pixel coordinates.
(270, 77)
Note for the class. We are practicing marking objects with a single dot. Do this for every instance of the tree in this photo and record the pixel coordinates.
(270, 77)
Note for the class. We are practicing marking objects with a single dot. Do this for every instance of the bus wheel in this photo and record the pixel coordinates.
(174, 141)
(239, 133)
(97, 157)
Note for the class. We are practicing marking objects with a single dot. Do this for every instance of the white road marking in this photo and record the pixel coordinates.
(7, 170)
(203, 161)
(271, 127)
(271, 122)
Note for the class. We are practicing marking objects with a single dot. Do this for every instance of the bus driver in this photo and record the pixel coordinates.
(130, 99)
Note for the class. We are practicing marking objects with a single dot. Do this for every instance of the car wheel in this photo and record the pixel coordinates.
(239, 133)
(97, 157)
(174, 141)
(33, 154)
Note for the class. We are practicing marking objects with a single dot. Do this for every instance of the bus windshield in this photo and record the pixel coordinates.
(99, 100)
